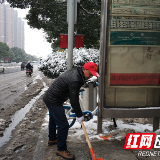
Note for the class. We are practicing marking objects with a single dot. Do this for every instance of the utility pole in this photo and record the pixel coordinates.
(71, 13)
(72, 21)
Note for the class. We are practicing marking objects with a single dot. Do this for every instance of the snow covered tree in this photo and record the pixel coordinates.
(56, 63)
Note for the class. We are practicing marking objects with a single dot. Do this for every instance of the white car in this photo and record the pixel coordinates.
(1, 68)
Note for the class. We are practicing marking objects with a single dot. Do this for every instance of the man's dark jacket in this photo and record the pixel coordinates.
(28, 66)
(67, 85)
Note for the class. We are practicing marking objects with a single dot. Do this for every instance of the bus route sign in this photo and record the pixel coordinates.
(134, 38)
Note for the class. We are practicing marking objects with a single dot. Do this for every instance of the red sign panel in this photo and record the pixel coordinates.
(63, 41)
(79, 41)
(135, 78)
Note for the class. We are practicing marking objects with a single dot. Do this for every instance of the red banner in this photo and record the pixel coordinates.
(79, 41)
(135, 78)
(63, 41)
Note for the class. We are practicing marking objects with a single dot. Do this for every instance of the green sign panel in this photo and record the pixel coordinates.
(134, 38)
(137, 2)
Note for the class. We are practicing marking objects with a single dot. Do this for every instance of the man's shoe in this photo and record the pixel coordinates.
(65, 154)
(52, 142)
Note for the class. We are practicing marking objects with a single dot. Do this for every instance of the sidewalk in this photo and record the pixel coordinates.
(108, 150)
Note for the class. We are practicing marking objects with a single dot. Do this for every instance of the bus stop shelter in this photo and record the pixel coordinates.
(129, 83)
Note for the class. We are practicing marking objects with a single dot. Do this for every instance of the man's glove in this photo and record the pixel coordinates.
(80, 119)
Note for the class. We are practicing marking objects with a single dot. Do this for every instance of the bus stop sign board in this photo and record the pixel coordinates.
(134, 38)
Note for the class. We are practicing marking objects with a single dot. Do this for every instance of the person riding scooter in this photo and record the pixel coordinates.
(30, 67)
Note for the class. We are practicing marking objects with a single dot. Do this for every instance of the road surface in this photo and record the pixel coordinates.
(13, 83)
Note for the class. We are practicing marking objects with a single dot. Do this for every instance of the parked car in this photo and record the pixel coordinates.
(23, 65)
(1, 68)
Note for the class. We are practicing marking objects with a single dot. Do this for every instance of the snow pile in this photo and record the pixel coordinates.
(108, 129)
(56, 63)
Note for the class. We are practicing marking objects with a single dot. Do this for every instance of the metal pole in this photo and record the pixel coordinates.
(104, 6)
(91, 105)
(70, 33)
(155, 123)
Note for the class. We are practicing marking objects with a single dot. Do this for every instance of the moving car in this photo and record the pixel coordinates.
(23, 65)
(1, 68)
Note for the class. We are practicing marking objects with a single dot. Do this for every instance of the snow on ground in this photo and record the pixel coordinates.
(108, 129)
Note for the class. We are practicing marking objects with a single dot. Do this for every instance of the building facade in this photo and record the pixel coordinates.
(11, 27)
(15, 28)
(2, 23)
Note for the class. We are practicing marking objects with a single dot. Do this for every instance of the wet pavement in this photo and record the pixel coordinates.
(108, 150)
(12, 85)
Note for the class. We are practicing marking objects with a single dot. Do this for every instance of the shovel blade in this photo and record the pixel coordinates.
(106, 137)
(93, 155)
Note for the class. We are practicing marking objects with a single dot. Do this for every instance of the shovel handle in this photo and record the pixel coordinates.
(87, 138)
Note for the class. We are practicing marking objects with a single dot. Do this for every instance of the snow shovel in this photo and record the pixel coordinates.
(89, 143)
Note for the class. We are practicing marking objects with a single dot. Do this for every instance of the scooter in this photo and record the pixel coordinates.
(28, 72)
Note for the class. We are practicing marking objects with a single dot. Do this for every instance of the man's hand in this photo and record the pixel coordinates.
(80, 119)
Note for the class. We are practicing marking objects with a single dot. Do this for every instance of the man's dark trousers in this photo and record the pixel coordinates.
(58, 118)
